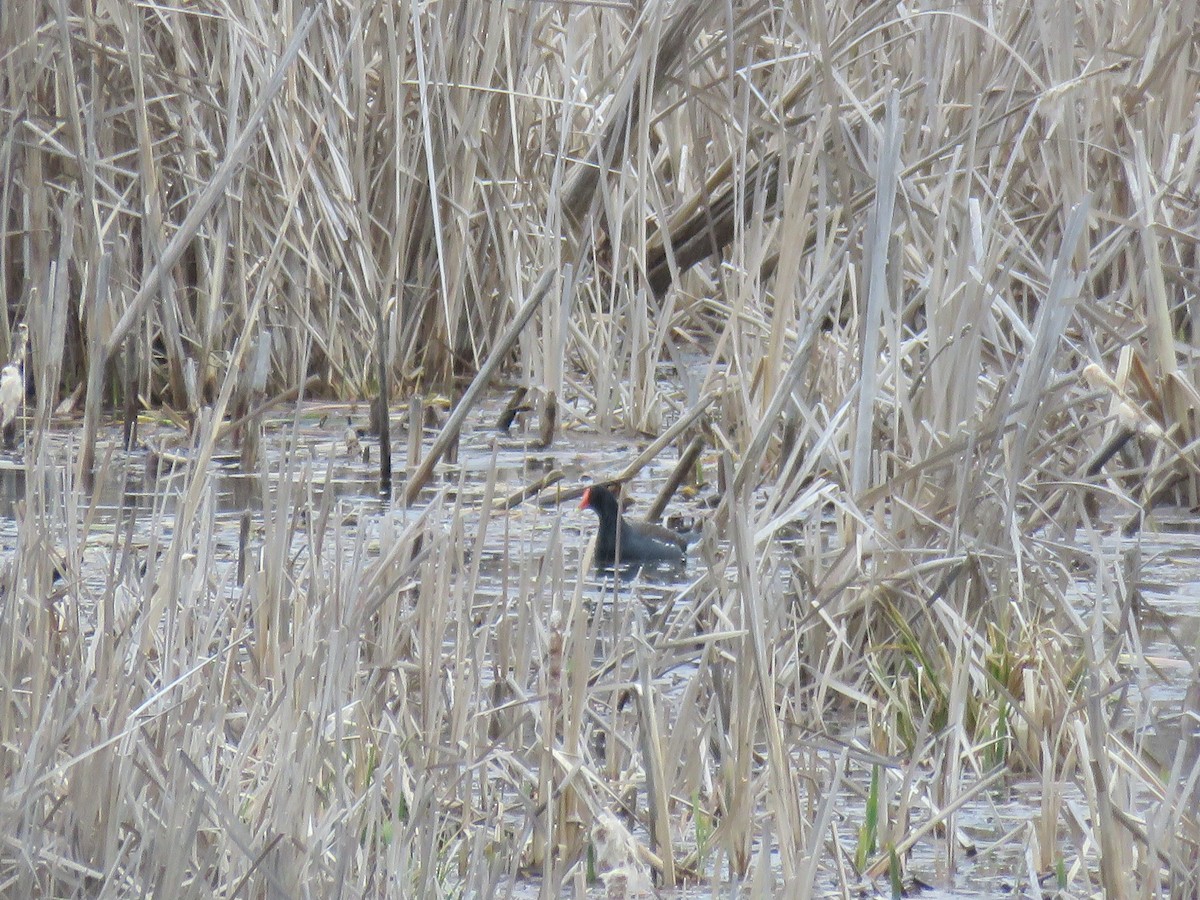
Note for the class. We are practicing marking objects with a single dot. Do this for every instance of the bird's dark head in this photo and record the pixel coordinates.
(599, 498)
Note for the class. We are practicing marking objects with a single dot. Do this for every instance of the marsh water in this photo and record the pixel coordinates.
(307, 450)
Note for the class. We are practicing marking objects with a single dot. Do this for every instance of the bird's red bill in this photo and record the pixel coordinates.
(587, 495)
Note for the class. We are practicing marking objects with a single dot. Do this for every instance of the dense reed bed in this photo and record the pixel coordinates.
(925, 279)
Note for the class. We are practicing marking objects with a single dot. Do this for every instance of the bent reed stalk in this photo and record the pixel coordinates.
(874, 250)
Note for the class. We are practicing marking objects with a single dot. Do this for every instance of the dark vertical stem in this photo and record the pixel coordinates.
(250, 393)
(549, 420)
(97, 365)
(91, 414)
(243, 545)
(385, 425)
(416, 431)
(132, 376)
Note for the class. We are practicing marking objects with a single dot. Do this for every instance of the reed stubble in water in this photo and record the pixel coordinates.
(381, 718)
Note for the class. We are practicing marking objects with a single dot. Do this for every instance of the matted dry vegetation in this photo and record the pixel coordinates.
(882, 242)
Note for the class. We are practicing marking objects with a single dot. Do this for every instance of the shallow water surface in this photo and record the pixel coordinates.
(306, 470)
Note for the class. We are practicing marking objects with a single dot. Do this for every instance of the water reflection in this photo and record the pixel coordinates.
(12, 488)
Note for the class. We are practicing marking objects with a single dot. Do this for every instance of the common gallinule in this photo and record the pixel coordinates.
(637, 542)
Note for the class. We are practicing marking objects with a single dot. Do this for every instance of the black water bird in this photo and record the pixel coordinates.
(636, 542)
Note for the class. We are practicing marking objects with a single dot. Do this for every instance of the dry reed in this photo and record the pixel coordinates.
(868, 252)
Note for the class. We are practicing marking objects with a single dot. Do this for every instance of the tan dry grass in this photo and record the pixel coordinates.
(892, 236)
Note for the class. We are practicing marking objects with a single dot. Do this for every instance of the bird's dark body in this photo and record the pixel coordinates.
(625, 542)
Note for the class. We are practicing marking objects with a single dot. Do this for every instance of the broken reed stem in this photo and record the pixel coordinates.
(287, 396)
(549, 420)
(531, 490)
(643, 459)
(251, 388)
(416, 431)
(679, 474)
(516, 404)
(936, 821)
(681, 425)
(647, 456)
(499, 353)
